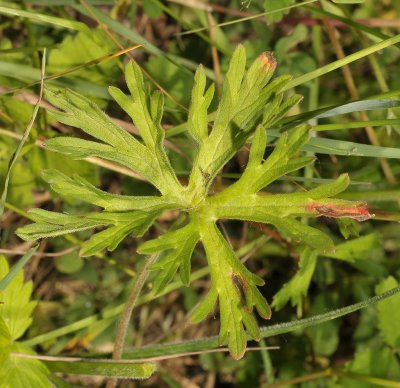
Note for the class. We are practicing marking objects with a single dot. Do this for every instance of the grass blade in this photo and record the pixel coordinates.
(16, 268)
(356, 124)
(283, 9)
(46, 19)
(24, 138)
(342, 62)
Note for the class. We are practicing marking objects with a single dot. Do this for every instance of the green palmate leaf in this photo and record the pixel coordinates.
(15, 317)
(82, 48)
(16, 307)
(18, 372)
(297, 287)
(389, 313)
(249, 105)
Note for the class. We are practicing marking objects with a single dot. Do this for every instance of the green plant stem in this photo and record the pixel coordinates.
(127, 313)
(266, 332)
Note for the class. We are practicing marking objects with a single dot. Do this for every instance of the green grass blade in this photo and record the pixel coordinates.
(45, 19)
(340, 147)
(17, 267)
(23, 139)
(356, 124)
(25, 73)
(283, 9)
(362, 27)
(356, 106)
(289, 122)
(342, 62)
(134, 37)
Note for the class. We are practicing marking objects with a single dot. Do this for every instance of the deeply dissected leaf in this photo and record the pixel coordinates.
(260, 173)
(147, 114)
(297, 287)
(197, 120)
(51, 224)
(250, 104)
(179, 245)
(79, 188)
(240, 110)
(119, 146)
(236, 290)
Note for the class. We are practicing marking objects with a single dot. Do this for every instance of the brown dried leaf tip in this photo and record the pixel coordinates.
(358, 212)
(269, 60)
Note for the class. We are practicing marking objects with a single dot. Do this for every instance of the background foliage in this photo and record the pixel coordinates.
(79, 299)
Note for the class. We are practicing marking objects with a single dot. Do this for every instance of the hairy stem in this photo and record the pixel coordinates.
(127, 314)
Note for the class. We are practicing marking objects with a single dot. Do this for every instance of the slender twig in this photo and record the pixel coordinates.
(136, 360)
(214, 54)
(127, 313)
(16, 252)
(375, 381)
